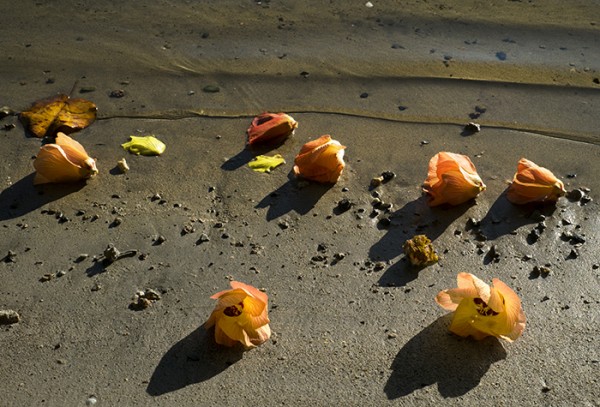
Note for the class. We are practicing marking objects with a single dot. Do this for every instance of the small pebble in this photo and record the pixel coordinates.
(344, 205)
(117, 93)
(388, 176)
(203, 238)
(123, 166)
(160, 239)
(575, 195)
(9, 317)
(376, 181)
(81, 257)
(473, 127)
(211, 89)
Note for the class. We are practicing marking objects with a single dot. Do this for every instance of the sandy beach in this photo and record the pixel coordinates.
(354, 324)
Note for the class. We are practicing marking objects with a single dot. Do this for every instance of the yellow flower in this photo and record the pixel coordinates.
(240, 316)
(65, 160)
(320, 160)
(533, 183)
(452, 178)
(270, 128)
(481, 310)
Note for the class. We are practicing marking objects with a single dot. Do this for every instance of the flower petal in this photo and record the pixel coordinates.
(270, 128)
(320, 160)
(451, 178)
(533, 183)
(463, 320)
(53, 166)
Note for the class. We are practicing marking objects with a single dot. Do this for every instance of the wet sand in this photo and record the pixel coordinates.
(357, 329)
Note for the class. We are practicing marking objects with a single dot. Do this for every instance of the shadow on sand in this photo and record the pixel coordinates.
(23, 197)
(194, 359)
(289, 197)
(436, 356)
(412, 219)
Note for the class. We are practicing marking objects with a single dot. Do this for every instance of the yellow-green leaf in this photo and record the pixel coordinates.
(147, 145)
(264, 163)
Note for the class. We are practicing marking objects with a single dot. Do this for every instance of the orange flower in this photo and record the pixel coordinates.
(270, 128)
(240, 316)
(452, 178)
(533, 183)
(481, 310)
(63, 161)
(320, 160)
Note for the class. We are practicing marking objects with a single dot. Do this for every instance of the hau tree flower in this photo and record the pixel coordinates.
(533, 183)
(240, 316)
(270, 128)
(65, 160)
(452, 178)
(320, 160)
(481, 310)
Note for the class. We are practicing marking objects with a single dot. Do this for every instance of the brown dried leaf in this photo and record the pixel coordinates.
(60, 113)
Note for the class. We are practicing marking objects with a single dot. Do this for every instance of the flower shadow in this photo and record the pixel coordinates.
(194, 359)
(23, 197)
(504, 218)
(290, 197)
(414, 218)
(436, 356)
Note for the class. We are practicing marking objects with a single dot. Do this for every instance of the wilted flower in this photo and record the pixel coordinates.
(270, 128)
(533, 183)
(481, 310)
(146, 145)
(320, 160)
(452, 178)
(419, 251)
(65, 160)
(265, 163)
(240, 316)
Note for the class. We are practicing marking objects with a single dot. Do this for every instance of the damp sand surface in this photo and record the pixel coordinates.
(353, 323)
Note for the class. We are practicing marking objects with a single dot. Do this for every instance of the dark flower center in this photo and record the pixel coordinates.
(234, 310)
(483, 309)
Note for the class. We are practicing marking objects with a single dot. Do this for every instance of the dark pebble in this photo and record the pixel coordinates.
(344, 205)
(388, 176)
(364, 95)
(573, 254)
(87, 89)
(10, 257)
(160, 239)
(6, 111)
(379, 266)
(304, 74)
(575, 195)
(211, 89)
(472, 128)
(9, 317)
(81, 257)
(283, 224)
(118, 93)
(501, 55)
(385, 222)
